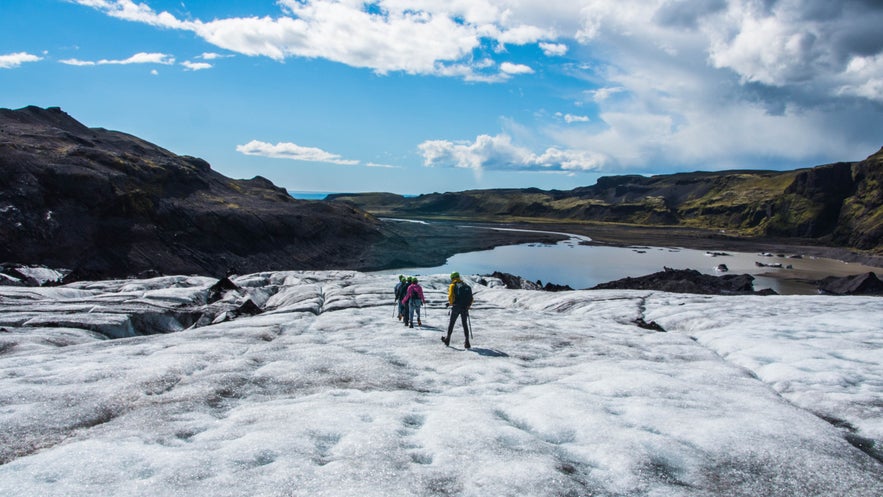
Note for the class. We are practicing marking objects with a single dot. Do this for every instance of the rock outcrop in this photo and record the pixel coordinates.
(514, 282)
(687, 281)
(860, 284)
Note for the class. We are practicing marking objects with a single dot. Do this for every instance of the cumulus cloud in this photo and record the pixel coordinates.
(212, 56)
(196, 66)
(435, 37)
(694, 82)
(13, 60)
(292, 151)
(795, 41)
(510, 68)
(571, 118)
(138, 58)
(602, 94)
(716, 84)
(498, 152)
(551, 49)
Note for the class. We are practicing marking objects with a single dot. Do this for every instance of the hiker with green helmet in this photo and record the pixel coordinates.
(460, 300)
(413, 300)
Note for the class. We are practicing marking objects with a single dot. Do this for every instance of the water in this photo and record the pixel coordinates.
(584, 266)
(302, 195)
(309, 195)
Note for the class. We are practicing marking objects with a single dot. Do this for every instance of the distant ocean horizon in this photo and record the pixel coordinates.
(309, 195)
(300, 195)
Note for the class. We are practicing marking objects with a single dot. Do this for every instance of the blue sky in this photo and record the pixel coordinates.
(446, 95)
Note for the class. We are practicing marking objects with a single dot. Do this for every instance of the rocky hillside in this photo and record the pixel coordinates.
(106, 204)
(838, 204)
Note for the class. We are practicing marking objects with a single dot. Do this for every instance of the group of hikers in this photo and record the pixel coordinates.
(409, 299)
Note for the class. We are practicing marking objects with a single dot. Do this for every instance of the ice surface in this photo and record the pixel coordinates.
(325, 393)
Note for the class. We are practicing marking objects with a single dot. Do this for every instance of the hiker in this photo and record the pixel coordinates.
(414, 299)
(460, 299)
(399, 294)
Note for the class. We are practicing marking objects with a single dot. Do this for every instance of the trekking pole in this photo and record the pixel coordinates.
(469, 318)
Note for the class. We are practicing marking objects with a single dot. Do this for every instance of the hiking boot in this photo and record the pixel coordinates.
(419, 323)
(467, 345)
(411, 325)
(400, 317)
(445, 341)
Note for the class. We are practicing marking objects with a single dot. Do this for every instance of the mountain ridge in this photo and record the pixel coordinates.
(106, 203)
(839, 204)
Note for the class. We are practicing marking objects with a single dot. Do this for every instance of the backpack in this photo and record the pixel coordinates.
(413, 296)
(462, 294)
(401, 291)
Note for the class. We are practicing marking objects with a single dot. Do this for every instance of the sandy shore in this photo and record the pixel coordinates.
(623, 235)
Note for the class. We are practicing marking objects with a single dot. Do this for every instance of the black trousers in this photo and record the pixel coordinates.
(463, 314)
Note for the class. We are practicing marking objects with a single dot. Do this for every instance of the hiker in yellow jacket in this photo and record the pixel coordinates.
(460, 300)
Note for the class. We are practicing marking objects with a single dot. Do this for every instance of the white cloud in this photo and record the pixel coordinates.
(138, 58)
(433, 37)
(13, 60)
(551, 49)
(284, 150)
(715, 84)
(77, 62)
(143, 58)
(154, 72)
(602, 94)
(510, 68)
(212, 56)
(704, 81)
(196, 66)
(137, 12)
(571, 118)
(498, 152)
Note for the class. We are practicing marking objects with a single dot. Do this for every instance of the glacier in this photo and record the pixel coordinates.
(169, 386)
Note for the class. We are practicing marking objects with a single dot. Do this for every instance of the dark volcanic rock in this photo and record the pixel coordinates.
(860, 284)
(108, 204)
(652, 325)
(687, 281)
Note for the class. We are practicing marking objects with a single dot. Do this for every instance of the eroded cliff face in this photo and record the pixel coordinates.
(860, 223)
(107, 204)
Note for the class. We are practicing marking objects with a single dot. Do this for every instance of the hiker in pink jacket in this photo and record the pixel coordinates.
(414, 299)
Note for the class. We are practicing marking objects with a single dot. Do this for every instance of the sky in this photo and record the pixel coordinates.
(325, 393)
(447, 95)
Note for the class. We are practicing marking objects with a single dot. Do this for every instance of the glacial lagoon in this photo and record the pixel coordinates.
(580, 265)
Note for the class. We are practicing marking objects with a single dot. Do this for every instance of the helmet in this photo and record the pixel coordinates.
(455, 275)
(401, 277)
(414, 279)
